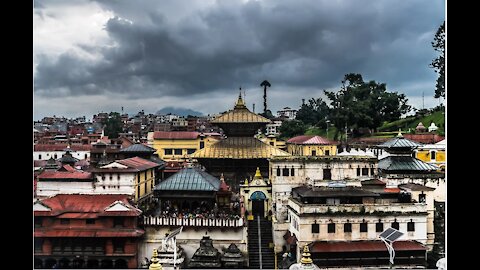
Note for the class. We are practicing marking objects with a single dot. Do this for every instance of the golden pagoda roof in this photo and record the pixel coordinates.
(240, 114)
(239, 148)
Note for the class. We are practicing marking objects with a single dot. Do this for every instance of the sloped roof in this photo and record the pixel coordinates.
(415, 187)
(138, 163)
(191, 179)
(93, 205)
(425, 138)
(404, 163)
(177, 135)
(239, 148)
(240, 114)
(399, 142)
(311, 139)
(61, 147)
(138, 148)
(64, 173)
(318, 192)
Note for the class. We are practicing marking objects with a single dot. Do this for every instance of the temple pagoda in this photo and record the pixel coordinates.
(239, 153)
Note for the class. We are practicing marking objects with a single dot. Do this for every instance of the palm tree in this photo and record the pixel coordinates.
(265, 84)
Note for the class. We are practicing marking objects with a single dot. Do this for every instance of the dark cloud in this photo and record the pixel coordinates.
(174, 48)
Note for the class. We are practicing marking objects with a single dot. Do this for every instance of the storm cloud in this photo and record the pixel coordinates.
(148, 54)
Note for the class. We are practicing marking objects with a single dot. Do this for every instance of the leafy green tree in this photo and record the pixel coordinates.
(268, 114)
(113, 125)
(291, 128)
(360, 104)
(438, 64)
(314, 112)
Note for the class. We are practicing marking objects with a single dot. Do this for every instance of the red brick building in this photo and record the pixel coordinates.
(86, 231)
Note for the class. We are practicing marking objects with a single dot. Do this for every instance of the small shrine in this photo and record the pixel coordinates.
(305, 262)
(206, 256)
(257, 195)
(233, 257)
(170, 254)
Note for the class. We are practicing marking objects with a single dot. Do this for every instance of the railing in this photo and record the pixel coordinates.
(193, 222)
(356, 208)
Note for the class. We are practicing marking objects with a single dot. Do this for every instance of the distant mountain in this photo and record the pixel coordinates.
(179, 111)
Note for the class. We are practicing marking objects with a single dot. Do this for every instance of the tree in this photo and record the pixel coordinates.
(360, 104)
(314, 113)
(438, 64)
(268, 114)
(291, 128)
(113, 125)
(265, 84)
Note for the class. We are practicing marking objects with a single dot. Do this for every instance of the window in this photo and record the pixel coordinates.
(379, 226)
(111, 176)
(358, 171)
(372, 171)
(55, 156)
(363, 227)
(168, 151)
(90, 221)
(314, 152)
(395, 225)
(138, 191)
(117, 222)
(38, 222)
(411, 226)
(327, 174)
(64, 221)
(86, 156)
(315, 228)
(272, 143)
(191, 151)
(145, 191)
(38, 245)
(178, 151)
(40, 156)
(103, 176)
(433, 155)
(347, 227)
(285, 171)
(331, 228)
(292, 172)
(327, 152)
(364, 171)
(422, 198)
(202, 145)
(118, 245)
(278, 171)
(118, 176)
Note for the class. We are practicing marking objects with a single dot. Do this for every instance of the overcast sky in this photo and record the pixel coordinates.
(92, 56)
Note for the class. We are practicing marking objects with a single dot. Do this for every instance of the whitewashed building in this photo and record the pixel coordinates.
(56, 151)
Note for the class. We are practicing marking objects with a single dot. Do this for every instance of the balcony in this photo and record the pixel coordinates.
(191, 222)
(347, 209)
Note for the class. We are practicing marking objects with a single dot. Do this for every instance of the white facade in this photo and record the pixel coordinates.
(47, 189)
(115, 183)
(46, 155)
(273, 128)
(287, 112)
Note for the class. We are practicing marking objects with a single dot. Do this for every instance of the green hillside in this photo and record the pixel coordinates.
(411, 122)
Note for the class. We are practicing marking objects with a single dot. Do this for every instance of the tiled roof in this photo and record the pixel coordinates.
(61, 147)
(404, 163)
(373, 182)
(363, 246)
(190, 179)
(177, 135)
(93, 204)
(311, 139)
(424, 138)
(415, 187)
(138, 148)
(399, 142)
(239, 148)
(138, 163)
(318, 192)
(67, 173)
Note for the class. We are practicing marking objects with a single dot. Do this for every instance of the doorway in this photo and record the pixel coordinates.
(258, 203)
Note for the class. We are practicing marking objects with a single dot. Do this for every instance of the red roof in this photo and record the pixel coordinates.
(178, 135)
(61, 147)
(82, 204)
(138, 163)
(55, 232)
(311, 139)
(391, 190)
(424, 138)
(364, 246)
(67, 173)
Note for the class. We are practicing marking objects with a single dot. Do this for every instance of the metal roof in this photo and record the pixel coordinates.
(190, 179)
(415, 187)
(404, 163)
(239, 148)
(328, 192)
(311, 139)
(240, 114)
(138, 147)
(177, 135)
(399, 142)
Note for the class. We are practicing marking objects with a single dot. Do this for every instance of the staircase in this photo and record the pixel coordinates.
(256, 247)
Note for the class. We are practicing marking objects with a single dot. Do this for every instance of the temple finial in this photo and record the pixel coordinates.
(258, 175)
(155, 261)
(306, 260)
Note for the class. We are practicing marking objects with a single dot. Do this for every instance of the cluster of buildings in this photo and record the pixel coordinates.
(228, 198)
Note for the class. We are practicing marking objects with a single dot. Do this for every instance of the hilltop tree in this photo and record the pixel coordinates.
(113, 125)
(314, 113)
(438, 64)
(291, 128)
(360, 104)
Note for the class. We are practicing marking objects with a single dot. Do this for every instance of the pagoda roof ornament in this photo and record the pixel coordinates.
(155, 265)
(240, 104)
